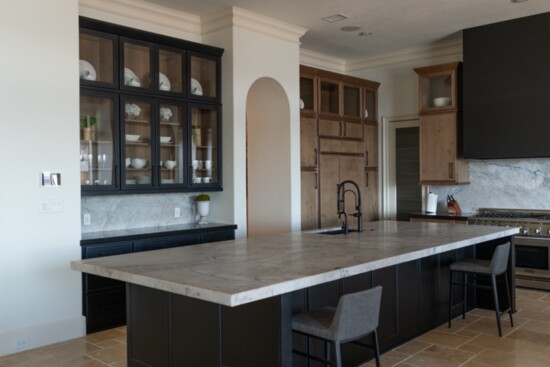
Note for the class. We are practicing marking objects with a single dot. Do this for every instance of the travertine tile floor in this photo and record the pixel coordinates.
(473, 342)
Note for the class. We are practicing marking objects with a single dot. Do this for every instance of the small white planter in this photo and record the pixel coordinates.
(203, 208)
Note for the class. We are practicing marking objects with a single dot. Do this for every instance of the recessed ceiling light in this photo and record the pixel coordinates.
(363, 34)
(350, 28)
(335, 18)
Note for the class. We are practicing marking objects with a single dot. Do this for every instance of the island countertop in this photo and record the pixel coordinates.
(240, 271)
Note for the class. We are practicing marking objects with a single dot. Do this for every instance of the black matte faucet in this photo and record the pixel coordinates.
(341, 205)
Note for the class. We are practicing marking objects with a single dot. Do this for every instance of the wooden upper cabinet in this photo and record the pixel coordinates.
(308, 142)
(440, 151)
(308, 93)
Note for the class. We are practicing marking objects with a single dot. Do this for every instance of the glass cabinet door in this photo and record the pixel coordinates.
(171, 140)
(307, 93)
(97, 137)
(370, 105)
(204, 145)
(203, 81)
(137, 65)
(137, 140)
(97, 58)
(352, 101)
(170, 64)
(330, 97)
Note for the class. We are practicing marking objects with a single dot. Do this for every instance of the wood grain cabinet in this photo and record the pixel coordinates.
(339, 141)
(441, 159)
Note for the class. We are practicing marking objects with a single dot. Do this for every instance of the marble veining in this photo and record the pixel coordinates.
(245, 270)
(501, 183)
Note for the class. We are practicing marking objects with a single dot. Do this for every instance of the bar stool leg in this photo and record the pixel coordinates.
(495, 297)
(376, 348)
(450, 296)
(509, 299)
(337, 353)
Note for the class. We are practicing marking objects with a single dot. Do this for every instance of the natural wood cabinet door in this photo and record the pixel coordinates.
(370, 201)
(353, 130)
(308, 142)
(329, 178)
(371, 145)
(438, 147)
(310, 200)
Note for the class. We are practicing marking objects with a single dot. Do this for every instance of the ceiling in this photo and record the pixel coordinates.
(394, 24)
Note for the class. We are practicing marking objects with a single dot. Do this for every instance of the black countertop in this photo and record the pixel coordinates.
(442, 215)
(158, 231)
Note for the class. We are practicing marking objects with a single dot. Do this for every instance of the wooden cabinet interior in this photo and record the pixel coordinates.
(441, 159)
(339, 141)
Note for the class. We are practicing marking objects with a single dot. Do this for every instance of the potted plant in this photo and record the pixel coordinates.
(203, 206)
(87, 124)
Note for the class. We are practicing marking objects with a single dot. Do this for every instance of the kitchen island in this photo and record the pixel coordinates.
(230, 303)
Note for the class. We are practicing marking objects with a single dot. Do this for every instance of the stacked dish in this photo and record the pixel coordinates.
(196, 87)
(131, 79)
(87, 71)
(164, 82)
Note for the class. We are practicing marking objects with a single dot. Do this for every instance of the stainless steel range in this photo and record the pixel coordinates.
(532, 243)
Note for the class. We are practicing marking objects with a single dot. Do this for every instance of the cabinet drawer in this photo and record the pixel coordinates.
(89, 252)
(218, 236)
(166, 242)
(93, 283)
(340, 146)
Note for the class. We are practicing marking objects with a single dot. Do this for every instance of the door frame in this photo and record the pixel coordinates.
(389, 125)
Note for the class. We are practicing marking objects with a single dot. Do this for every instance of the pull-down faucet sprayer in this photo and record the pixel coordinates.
(341, 205)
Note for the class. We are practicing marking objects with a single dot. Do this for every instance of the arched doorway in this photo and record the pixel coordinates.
(268, 159)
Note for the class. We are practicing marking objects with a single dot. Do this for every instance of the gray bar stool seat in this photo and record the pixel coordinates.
(355, 317)
(495, 267)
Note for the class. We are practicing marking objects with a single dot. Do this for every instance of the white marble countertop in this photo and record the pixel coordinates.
(236, 272)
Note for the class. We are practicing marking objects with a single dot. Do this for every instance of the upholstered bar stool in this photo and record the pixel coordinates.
(496, 267)
(355, 317)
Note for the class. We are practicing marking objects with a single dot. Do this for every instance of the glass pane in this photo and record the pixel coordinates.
(137, 68)
(306, 93)
(170, 71)
(370, 105)
(137, 142)
(172, 139)
(203, 77)
(204, 141)
(96, 58)
(352, 101)
(96, 141)
(436, 91)
(330, 98)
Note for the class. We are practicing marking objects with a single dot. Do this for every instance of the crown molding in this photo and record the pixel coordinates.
(144, 11)
(322, 61)
(407, 55)
(237, 17)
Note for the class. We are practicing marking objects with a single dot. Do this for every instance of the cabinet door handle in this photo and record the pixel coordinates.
(366, 157)
(315, 156)
(316, 178)
(345, 129)
(451, 170)
(366, 179)
(340, 133)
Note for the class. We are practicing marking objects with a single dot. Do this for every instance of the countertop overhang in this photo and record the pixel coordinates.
(240, 271)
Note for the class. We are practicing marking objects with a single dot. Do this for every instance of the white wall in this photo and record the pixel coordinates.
(40, 297)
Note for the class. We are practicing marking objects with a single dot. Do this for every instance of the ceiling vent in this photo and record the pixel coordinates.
(335, 18)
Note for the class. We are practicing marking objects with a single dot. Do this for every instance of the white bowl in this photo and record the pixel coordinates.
(131, 137)
(165, 139)
(169, 164)
(138, 162)
(442, 101)
(128, 162)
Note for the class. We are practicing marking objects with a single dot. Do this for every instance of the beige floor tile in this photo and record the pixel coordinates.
(531, 336)
(473, 348)
(447, 340)
(102, 336)
(496, 342)
(489, 326)
(474, 364)
(390, 358)
(20, 358)
(412, 347)
(69, 350)
(538, 326)
(110, 355)
(436, 356)
(499, 359)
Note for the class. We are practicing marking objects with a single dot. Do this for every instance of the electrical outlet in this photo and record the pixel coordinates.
(87, 219)
(23, 343)
(177, 213)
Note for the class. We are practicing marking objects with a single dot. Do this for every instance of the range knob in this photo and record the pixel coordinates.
(524, 231)
(538, 231)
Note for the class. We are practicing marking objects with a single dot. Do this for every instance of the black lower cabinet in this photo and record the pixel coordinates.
(104, 299)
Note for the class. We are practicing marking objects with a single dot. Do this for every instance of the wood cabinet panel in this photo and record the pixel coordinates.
(310, 199)
(340, 146)
(308, 142)
(340, 129)
(329, 178)
(370, 190)
(371, 145)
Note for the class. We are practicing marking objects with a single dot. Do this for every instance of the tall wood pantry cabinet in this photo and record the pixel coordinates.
(441, 159)
(339, 141)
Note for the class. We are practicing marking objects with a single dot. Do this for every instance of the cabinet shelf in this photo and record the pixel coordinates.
(164, 123)
(137, 121)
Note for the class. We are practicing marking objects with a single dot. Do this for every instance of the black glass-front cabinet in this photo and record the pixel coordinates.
(150, 112)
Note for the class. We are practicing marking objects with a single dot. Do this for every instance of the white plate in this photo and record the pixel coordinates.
(196, 87)
(87, 71)
(165, 139)
(131, 137)
(164, 82)
(130, 78)
(302, 105)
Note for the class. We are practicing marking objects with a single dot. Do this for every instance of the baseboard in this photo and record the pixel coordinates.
(15, 341)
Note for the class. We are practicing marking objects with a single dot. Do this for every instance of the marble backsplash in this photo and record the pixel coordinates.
(134, 211)
(502, 183)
